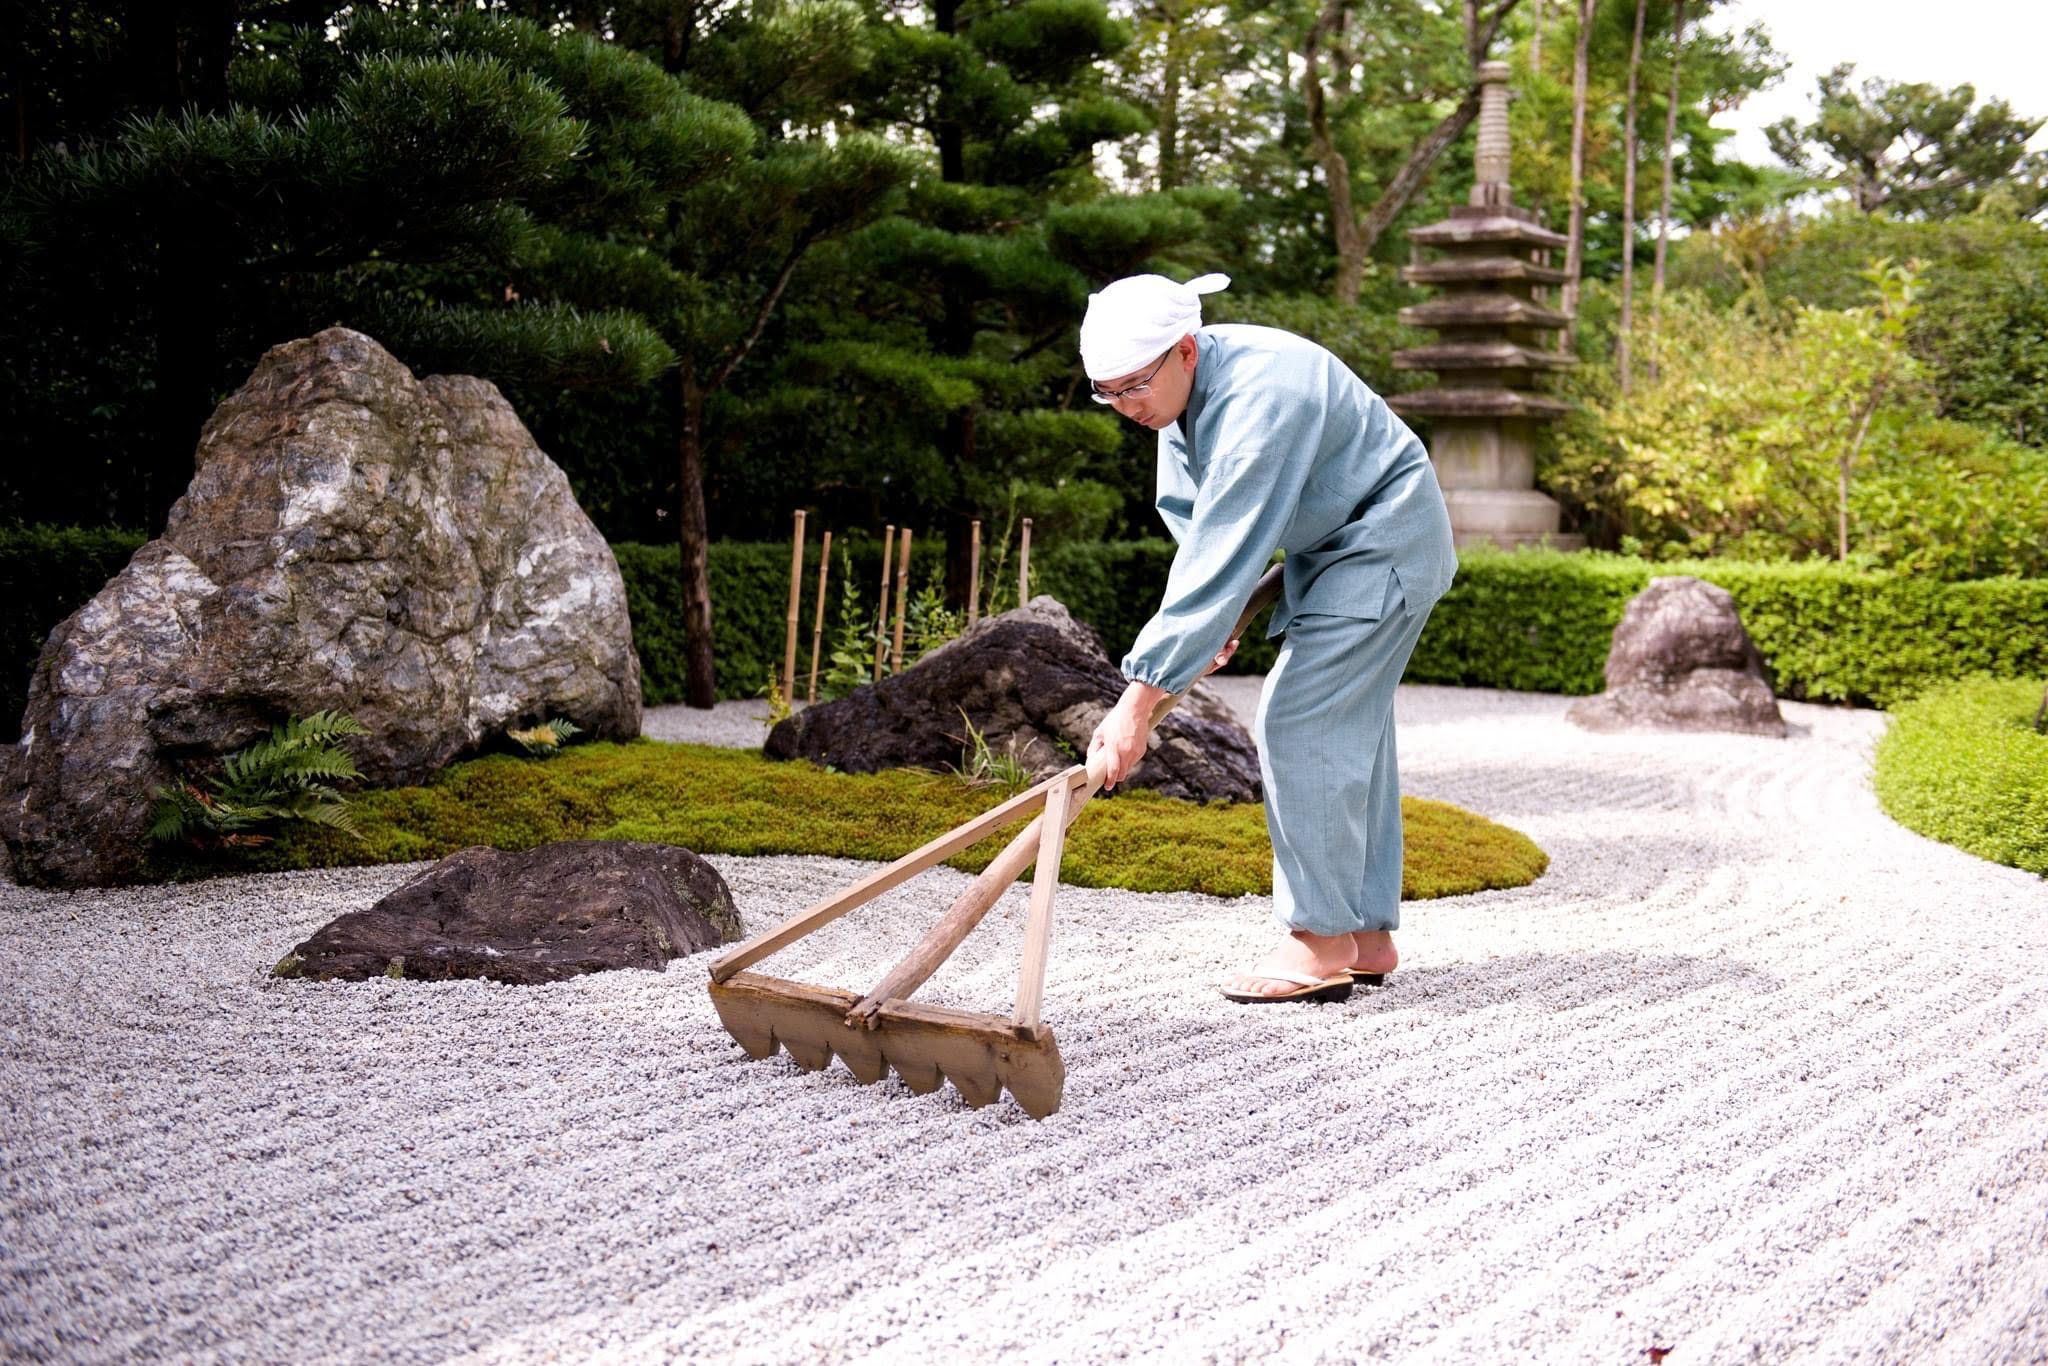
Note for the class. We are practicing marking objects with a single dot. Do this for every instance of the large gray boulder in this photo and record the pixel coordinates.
(353, 538)
(1035, 683)
(1682, 661)
(557, 911)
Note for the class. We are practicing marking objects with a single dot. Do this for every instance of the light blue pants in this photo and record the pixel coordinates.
(1325, 732)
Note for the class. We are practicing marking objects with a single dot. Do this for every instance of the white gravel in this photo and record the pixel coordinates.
(736, 724)
(1752, 1073)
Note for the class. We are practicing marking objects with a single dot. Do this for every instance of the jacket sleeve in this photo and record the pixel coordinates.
(1176, 500)
(1238, 515)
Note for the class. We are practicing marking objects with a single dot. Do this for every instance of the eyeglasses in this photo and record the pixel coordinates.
(1138, 390)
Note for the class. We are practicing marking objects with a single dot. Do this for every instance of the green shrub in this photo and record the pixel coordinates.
(1533, 621)
(1982, 329)
(1732, 439)
(1541, 621)
(1964, 765)
(750, 607)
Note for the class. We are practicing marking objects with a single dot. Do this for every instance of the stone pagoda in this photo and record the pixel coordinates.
(1495, 336)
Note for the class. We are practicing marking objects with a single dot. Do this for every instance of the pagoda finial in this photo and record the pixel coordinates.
(1490, 184)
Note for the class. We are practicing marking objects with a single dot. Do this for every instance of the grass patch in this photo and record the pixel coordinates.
(726, 801)
(1962, 764)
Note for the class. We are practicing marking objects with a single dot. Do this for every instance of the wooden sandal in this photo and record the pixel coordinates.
(1335, 988)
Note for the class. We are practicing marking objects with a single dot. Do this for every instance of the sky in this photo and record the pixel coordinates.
(1995, 45)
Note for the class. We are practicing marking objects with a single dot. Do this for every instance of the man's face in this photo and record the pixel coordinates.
(1166, 387)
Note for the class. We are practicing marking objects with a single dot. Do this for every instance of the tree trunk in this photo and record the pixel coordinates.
(1169, 105)
(1670, 140)
(1413, 173)
(1575, 247)
(678, 26)
(960, 517)
(693, 534)
(1536, 38)
(1356, 238)
(1628, 205)
(1336, 170)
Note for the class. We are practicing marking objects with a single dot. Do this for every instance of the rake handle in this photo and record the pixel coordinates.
(963, 915)
(1027, 847)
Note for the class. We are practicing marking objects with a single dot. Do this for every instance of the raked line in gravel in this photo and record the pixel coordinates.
(1751, 1072)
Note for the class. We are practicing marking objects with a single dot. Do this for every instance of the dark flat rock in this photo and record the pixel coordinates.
(1035, 683)
(557, 911)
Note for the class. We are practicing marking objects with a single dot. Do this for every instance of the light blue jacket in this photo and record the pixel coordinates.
(1283, 448)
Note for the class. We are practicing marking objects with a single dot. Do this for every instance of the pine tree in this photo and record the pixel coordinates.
(395, 178)
(971, 295)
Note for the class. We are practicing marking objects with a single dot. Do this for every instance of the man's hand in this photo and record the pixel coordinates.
(1120, 739)
(1221, 659)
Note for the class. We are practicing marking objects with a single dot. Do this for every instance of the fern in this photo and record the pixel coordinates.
(546, 738)
(287, 775)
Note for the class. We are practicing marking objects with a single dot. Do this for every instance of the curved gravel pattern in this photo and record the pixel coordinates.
(1752, 1073)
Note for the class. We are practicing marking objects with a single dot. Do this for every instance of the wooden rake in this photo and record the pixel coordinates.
(981, 1054)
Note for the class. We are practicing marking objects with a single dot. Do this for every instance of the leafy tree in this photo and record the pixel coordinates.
(940, 366)
(1914, 149)
(730, 246)
(1417, 44)
(393, 178)
(1981, 330)
(1715, 72)
(1764, 430)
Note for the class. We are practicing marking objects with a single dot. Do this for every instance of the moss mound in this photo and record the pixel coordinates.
(1962, 764)
(724, 801)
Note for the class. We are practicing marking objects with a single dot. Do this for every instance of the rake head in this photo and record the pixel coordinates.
(982, 1055)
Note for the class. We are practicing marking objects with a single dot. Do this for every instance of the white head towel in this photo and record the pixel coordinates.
(1134, 320)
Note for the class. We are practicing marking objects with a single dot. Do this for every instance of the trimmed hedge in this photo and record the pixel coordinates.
(1541, 621)
(1964, 765)
(1534, 621)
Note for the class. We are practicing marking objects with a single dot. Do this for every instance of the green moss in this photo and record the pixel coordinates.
(722, 801)
(1963, 765)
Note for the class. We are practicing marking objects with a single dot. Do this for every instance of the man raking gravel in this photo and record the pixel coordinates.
(1268, 442)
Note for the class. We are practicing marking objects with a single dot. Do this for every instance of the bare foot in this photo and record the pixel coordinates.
(1311, 955)
(1373, 951)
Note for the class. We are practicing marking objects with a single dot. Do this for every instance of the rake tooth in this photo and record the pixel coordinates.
(923, 1078)
(1035, 1081)
(756, 1038)
(862, 1056)
(977, 1086)
(813, 1055)
(982, 1055)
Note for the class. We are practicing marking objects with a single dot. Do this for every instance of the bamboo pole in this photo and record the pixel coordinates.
(902, 598)
(974, 572)
(1024, 566)
(818, 630)
(882, 612)
(796, 585)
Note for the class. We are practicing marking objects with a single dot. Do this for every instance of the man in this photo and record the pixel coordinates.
(1268, 442)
